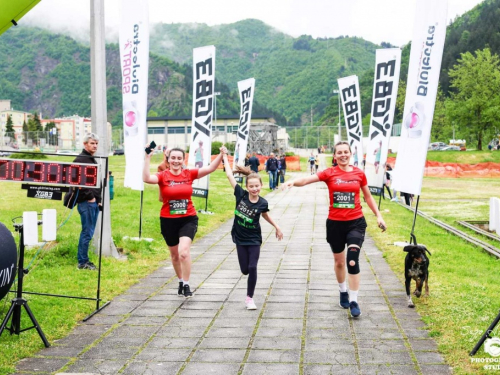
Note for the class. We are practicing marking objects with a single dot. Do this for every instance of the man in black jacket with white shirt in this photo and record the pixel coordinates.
(89, 203)
(272, 170)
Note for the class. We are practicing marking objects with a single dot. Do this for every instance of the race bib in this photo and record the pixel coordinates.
(245, 213)
(343, 200)
(178, 207)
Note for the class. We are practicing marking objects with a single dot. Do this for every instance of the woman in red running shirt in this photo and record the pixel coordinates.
(178, 219)
(346, 224)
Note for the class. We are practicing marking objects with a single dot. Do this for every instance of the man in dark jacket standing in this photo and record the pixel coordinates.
(272, 170)
(283, 168)
(254, 163)
(89, 203)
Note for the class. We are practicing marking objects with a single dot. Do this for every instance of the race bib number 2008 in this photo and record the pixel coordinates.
(178, 207)
(343, 200)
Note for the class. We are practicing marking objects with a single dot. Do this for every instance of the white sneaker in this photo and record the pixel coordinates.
(250, 304)
(394, 200)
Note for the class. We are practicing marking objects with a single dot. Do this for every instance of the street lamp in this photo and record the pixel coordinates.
(337, 92)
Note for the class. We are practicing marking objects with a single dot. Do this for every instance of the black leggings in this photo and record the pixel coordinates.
(248, 256)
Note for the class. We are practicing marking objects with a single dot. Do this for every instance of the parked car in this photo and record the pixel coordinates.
(435, 146)
(450, 148)
(119, 151)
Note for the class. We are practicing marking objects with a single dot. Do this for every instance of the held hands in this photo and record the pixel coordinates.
(223, 150)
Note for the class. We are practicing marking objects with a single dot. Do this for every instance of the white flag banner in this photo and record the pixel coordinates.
(246, 89)
(423, 76)
(385, 92)
(200, 149)
(134, 59)
(351, 104)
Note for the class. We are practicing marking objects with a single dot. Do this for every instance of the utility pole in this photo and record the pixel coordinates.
(99, 115)
(311, 115)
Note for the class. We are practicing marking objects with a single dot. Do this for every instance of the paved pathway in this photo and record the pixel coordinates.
(298, 327)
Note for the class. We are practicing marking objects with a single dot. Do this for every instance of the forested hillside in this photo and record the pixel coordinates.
(292, 74)
(50, 73)
(477, 29)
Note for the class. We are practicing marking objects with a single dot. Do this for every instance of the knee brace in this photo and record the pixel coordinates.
(353, 257)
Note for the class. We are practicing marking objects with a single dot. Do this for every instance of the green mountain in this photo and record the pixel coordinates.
(50, 73)
(292, 74)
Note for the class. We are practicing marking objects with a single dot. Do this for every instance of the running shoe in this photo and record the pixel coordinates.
(250, 304)
(180, 291)
(87, 266)
(354, 309)
(187, 292)
(344, 300)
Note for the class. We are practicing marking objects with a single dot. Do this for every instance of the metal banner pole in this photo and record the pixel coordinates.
(412, 235)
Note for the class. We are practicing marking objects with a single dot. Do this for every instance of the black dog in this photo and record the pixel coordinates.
(416, 268)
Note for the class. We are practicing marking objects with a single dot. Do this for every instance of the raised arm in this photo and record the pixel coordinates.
(373, 206)
(229, 172)
(146, 174)
(300, 181)
(203, 171)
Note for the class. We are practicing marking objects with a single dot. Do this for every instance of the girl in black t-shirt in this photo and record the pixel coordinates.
(246, 230)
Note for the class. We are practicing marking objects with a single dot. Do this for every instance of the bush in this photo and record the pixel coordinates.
(230, 147)
(215, 147)
(289, 153)
(28, 155)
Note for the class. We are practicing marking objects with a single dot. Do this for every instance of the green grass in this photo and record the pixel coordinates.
(462, 157)
(54, 269)
(464, 281)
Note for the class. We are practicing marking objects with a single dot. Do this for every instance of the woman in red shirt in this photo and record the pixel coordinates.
(178, 219)
(346, 224)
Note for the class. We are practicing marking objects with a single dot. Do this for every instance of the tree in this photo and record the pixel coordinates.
(442, 127)
(400, 102)
(25, 131)
(9, 126)
(52, 134)
(475, 96)
(38, 124)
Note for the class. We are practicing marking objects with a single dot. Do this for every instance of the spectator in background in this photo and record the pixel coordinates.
(283, 168)
(272, 170)
(278, 174)
(247, 162)
(89, 204)
(407, 197)
(254, 163)
(387, 180)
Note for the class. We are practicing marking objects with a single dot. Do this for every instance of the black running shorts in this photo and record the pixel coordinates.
(341, 233)
(174, 228)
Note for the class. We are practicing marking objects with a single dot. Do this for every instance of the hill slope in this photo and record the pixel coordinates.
(292, 74)
(50, 73)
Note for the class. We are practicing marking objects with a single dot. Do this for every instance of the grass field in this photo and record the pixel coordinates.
(464, 281)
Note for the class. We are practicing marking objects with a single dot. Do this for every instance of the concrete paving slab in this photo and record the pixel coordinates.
(298, 326)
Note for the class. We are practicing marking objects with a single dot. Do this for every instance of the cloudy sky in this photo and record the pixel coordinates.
(374, 20)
